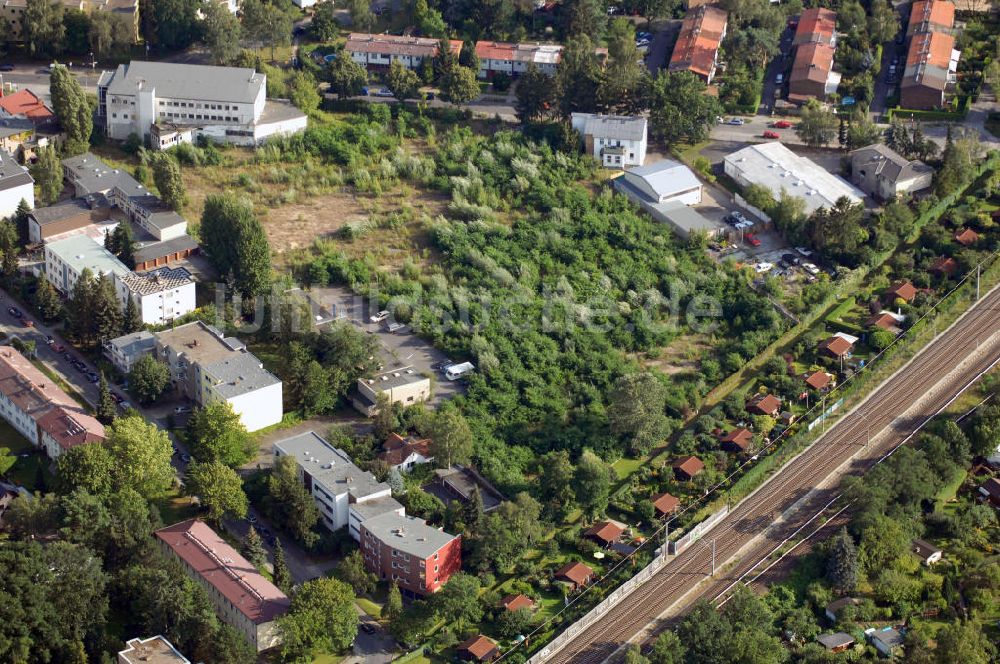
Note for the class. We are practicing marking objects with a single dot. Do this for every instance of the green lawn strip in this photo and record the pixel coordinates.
(369, 607)
(175, 507)
(949, 491)
(25, 471)
(61, 383)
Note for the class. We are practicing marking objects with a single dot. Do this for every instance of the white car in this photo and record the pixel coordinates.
(810, 268)
(763, 267)
(379, 317)
(803, 251)
(736, 121)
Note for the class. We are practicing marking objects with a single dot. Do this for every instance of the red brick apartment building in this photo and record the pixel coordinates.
(405, 550)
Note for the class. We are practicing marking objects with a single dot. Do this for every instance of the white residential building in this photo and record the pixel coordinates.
(65, 261)
(344, 494)
(123, 351)
(16, 185)
(161, 295)
(776, 168)
(226, 104)
(666, 181)
(154, 650)
(207, 366)
(378, 52)
(615, 141)
(402, 385)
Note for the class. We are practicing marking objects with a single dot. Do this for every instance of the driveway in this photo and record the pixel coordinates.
(664, 35)
(371, 647)
(781, 64)
(884, 87)
(302, 566)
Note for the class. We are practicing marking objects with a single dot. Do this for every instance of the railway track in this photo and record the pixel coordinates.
(759, 524)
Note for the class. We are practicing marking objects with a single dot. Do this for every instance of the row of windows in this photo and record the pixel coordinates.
(191, 104)
(199, 116)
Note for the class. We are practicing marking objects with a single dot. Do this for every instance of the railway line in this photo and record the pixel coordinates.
(795, 494)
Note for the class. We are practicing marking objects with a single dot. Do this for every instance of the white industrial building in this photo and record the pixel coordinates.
(226, 104)
(344, 494)
(16, 185)
(161, 295)
(666, 190)
(776, 168)
(206, 367)
(615, 141)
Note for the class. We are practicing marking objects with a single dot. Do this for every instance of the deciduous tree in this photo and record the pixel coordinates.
(142, 453)
(219, 30)
(43, 30)
(636, 411)
(219, 489)
(451, 437)
(320, 620)
(402, 81)
(47, 173)
(680, 111)
(216, 433)
(817, 125)
(148, 379)
(72, 107)
(347, 77)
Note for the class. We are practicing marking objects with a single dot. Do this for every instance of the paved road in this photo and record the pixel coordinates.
(781, 64)
(663, 37)
(792, 496)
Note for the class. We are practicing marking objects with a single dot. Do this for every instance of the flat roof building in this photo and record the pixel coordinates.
(65, 261)
(123, 351)
(403, 385)
(776, 168)
(154, 650)
(405, 550)
(242, 597)
(161, 295)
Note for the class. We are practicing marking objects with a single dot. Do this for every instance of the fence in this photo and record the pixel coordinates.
(693, 535)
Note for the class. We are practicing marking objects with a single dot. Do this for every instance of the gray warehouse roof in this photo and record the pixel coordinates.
(183, 81)
(396, 378)
(59, 211)
(329, 467)
(664, 178)
(408, 534)
(88, 174)
(239, 373)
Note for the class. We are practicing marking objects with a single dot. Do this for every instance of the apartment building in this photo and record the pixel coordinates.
(123, 351)
(66, 259)
(616, 141)
(378, 52)
(514, 59)
(697, 47)
(403, 386)
(160, 295)
(127, 10)
(242, 597)
(39, 410)
(206, 366)
(931, 59)
(16, 185)
(226, 104)
(405, 550)
(345, 495)
(154, 650)
(931, 16)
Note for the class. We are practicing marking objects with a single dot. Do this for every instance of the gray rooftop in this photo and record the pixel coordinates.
(279, 110)
(665, 177)
(890, 637)
(89, 175)
(156, 281)
(155, 250)
(838, 640)
(184, 81)
(408, 534)
(59, 211)
(239, 373)
(82, 251)
(619, 127)
(329, 467)
(134, 344)
(14, 126)
(892, 166)
(395, 378)
(12, 174)
(369, 509)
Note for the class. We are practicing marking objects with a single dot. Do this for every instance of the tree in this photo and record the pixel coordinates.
(636, 411)
(320, 620)
(168, 180)
(512, 623)
(236, 243)
(458, 600)
(216, 433)
(428, 21)
(817, 126)
(47, 300)
(324, 24)
(842, 562)
(347, 77)
(653, 9)
(174, 23)
(106, 409)
(667, 649)
(863, 131)
(680, 111)
(266, 24)
(87, 467)
(362, 18)
(108, 34)
(81, 307)
(107, 322)
(883, 24)
(534, 94)
(556, 483)
(282, 575)
(72, 107)
(253, 549)
(402, 81)
(7, 460)
(451, 437)
(963, 643)
(303, 91)
(459, 85)
(592, 484)
(218, 29)
(142, 453)
(625, 74)
(148, 379)
(393, 607)
(502, 537)
(219, 490)
(838, 232)
(882, 543)
(633, 655)
(289, 501)
(585, 17)
(121, 242)
(352, 572)
(131, 318)
(43, 29)
(578, 79)
(48, 176)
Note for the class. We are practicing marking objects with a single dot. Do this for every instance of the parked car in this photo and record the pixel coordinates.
(771, 134)
(751, 239)
(736, 121)
(791, 259)
(14, 311)
(251, 518)
(182, 409)
(379, 317)
(779, 79)
(761, 268)
(782, 124)
(58, 348)
(810, 268)
(93, 378)
(6, 67)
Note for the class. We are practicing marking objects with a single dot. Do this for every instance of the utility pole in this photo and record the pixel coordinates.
(978, 268)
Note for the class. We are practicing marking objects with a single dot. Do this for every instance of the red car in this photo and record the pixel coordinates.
(771, 134)
(782, 124)
(751, 239)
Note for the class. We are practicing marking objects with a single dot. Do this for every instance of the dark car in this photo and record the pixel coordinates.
(791, 259)
(6, 67)
(14, 311)
(68, 356)
(93, 378)
(367, 628)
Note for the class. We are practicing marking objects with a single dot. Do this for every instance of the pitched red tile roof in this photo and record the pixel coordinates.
(27, 104)
(517, 602)
(816, 25)
(932, 49)
(902, 289)
(836, 346)
(740, 438)
(665, 503)
(575, 572)
(606, 531)
(966, 236)
(944, 265)
(70, 428)
(931, 14)
(698, 42)
(813, 62)
(222, 567)
(766, 404)
(689, 465)
(884, 320)
(818, 380)
(396, 449)
(478, 646)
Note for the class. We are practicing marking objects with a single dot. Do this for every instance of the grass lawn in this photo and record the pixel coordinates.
(327, 659)
(625, 467)
(369, 607)
(175, 506)
(950, 489)
(25, 470)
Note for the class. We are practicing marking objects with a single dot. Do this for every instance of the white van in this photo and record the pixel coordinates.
(456, 371)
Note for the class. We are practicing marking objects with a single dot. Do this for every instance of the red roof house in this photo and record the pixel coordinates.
(577, 574)
(816, 26)
(835, 346)
(764, 404)
(883, 320)
(664, 504)
(902, 290)
(26, 104)
(819, 380)
(737, 440)
(478, 649)
(686, 468)
(517, 602)
(966, 237)
(605, 532)
(944, 267)
(404, 453)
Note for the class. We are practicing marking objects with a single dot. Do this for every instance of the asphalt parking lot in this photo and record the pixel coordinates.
(399, 349)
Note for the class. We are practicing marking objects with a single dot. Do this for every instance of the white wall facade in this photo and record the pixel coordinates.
(19, 419)
(127, 114)
(258, 409)
(11, 198)
(162, 307)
